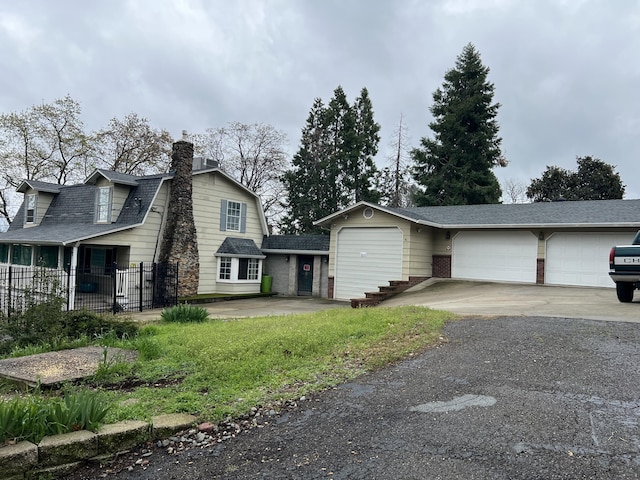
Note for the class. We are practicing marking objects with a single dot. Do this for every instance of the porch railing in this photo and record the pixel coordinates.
(134, 287)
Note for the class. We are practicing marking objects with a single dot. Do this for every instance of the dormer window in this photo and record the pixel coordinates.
(31, 202)
(103, 204)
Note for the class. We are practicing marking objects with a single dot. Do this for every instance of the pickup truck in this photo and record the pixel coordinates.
(624, 268)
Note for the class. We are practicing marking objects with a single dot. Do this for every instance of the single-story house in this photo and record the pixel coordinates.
(558, 243)
(298, 264)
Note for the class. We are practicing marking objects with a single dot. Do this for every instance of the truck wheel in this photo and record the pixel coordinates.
(625, 291)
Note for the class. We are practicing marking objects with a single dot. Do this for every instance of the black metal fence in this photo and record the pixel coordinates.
(136, 287)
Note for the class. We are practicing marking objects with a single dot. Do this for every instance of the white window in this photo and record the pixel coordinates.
(31, 208)
(232, 269)
(233, 216)
(234, 212)
(103, 205)
(225, 268)
(248, 268)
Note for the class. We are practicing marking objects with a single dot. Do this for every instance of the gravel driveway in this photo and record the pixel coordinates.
(503, 398)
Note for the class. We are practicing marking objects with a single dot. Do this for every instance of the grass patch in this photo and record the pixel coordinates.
(221, 368)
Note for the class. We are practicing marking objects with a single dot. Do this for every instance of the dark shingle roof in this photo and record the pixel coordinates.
(580, 213)
(70, 216)
(239, 247)
(300, 243)
(39, 186)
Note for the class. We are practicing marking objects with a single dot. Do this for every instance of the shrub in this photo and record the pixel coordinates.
(184, 313)
(91, 324)
(36, 417)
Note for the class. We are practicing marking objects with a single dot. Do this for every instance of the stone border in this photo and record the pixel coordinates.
(59, 453)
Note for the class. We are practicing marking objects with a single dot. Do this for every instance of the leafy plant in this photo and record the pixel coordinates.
(35, 417)
(184, 313)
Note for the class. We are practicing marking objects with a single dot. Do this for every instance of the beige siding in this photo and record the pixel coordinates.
(419, 261)
(380, 219)
(209, 190)
(142, 240)
(43, 200)
(442, 244)
(120, 194)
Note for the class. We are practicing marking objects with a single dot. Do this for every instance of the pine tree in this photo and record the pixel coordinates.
(364, 168)
(455, 167)
(334, 164)
(306, 181)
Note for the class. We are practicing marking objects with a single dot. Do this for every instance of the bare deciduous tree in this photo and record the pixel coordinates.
(514, 191)
(45, 142)
(254, 155)
(132, 146)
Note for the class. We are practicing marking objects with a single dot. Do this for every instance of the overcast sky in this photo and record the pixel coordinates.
(567, 72)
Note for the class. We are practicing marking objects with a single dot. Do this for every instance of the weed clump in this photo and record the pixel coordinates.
(184, 313)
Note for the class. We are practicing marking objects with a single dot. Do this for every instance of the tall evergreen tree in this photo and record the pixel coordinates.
(334, 164)
(455, 167)
(364, 168)
(307, 198)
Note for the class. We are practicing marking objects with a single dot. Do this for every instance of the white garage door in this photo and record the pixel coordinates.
(581, 258)
(366, 258)
(499, 256)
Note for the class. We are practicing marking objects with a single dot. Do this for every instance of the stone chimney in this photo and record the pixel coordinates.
(179, 240)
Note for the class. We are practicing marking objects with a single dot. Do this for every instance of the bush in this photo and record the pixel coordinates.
(47, 323)
(184, 313)
(36, 417)
(91, 324)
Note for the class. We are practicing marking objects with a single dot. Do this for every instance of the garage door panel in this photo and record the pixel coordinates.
(366, 259)
(581, 258)
(498, 256)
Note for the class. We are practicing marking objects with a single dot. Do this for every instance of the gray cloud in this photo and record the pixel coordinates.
(565, 72)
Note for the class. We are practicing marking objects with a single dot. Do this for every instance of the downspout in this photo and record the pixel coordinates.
(163, 221)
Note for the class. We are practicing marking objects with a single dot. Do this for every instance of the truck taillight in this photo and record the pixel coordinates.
(612, 254)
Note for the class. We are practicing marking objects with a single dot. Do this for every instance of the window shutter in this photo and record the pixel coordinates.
(223, 215)
(243, 218)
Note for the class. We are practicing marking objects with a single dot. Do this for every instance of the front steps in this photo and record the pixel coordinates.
(372, 299)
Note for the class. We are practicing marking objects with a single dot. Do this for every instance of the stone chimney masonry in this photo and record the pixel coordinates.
(179, 239)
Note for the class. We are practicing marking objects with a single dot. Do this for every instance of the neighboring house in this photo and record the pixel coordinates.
(298, 264)
(559, 243)
(114, 218)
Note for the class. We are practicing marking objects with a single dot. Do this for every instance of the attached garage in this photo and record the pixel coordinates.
(366, 258)
(508, 256)
(581, 258)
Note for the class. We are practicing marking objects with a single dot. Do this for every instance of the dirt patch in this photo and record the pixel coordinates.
(52, 368)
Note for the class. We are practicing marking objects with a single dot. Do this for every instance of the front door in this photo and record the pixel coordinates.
(305, 275)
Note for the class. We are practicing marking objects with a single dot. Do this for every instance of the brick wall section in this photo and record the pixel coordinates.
(330, 287)
(441, 266)
(179, 240)
(540, 271)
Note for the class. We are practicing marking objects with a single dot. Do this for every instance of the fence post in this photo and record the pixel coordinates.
(114, 268)
(176, 283)
(141, 285)
(10, 296)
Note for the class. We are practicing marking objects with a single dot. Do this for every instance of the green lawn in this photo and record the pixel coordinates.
(222, 368)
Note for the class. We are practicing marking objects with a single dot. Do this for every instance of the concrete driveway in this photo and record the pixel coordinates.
(464, 298)
(499, 299)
